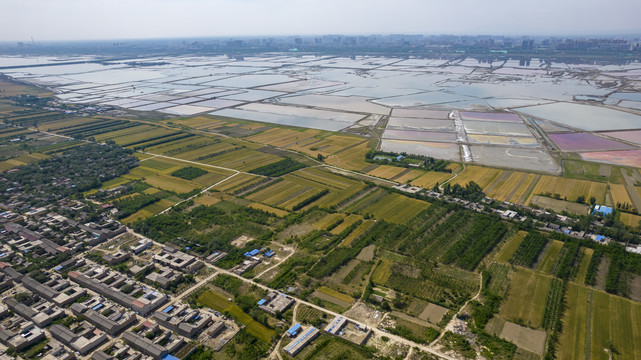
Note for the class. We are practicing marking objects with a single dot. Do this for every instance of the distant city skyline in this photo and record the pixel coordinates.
(46, 20)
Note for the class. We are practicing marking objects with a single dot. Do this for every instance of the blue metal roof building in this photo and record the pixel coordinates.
(294, 329)
(602, 210)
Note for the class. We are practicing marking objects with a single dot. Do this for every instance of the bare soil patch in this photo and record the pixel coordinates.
(240, 241)
(525, 338)
(433, 313)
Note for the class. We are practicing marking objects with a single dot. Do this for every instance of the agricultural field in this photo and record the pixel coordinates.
(158, 172)
(583, 266)
(197, 121)
(360, 230)
(206, 200)
(278, 212)
(134, 132)
(559, 205)
(239, 182)
(619, 194)
(433, 313)
(114, 183)
(579, 169)
(354, 159)
(525, 338)
(243, 159)
(513, 188)
(606, 320)
(329, 220)
(569, 189)
(325, 297)
(630, 219)
(12, 88)
(330, 347)
(61, 125)
(284, 194)
(428, 180)
(285, 137)
(550, 257)
(347, 222)
(483, 176)
(202, 146)
(335, 294)
(408, 176)
(301, 186)
(506, 252)
(330, 145)
(149, 210)
(161, 180)
(498, 278)
(21, 160)
(386, 171)
(525, 302)
(395, 208)
(382, 271)
(219, 302)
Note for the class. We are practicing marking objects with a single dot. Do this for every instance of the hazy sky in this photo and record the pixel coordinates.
(122, 19)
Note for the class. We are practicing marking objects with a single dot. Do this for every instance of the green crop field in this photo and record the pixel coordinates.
(336, 294)
(328, 347)
(499, 277)
(559, 206)
(396, 208)
(140, 137)
(569, 189)
(218, 302)
(382, 272)
(132, 131)
(328, 220)
(354, 159)
(583, 266)
(550, 256)
(181, 146)
(241, 159)
(347, 222)
(54, 126)
(238, 182)
(604, 320)
(510, 247)
(161, 181)
(360, 229)
(293, 189)
(148, 211)
(526, 298)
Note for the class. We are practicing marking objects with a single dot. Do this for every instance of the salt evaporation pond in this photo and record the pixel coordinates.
(585, 117)
(419, 135)
(631, 136)
(517, 158)
(401, 123)
(483, 116)
(283, 119)
(586, 142)
(496, 128)
(502, 140)
(625, 158)
(446, 151)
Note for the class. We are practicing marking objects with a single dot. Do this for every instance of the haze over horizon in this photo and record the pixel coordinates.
(140, 19)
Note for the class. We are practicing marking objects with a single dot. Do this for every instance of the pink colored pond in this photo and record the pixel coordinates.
(625, 158)
(473, 115)
(586, 142)
(633, 136)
